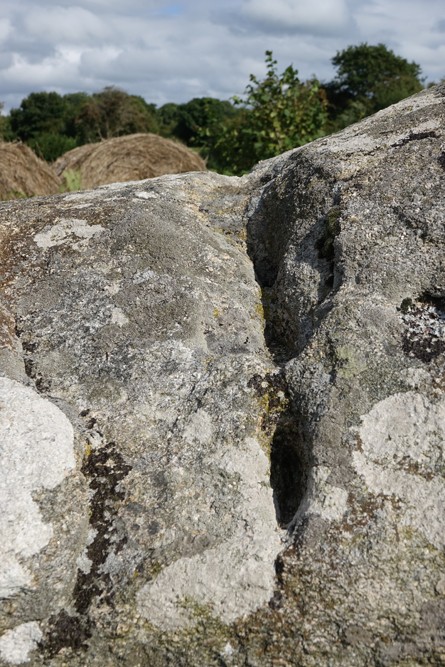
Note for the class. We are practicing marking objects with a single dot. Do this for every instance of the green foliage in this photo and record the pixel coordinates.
(74, 103)
(279, 112)
(46, 122)
(52, 124)
(5, 126)
(168, 116)
(197, 118)
(233, 145)
(39, 113)
(369, 78)
(113, 113)
(366, 71)
(200, 123)
(275, 114)
(50, 146)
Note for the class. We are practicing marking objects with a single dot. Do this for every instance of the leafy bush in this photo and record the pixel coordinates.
(279, 112)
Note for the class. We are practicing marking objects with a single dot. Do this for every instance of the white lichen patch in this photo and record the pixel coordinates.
(17, 644)
(401, 448)
(118, 317)
(84, 563)
(36, 452)
(67, 230)
(145, 194)
(325, 499)
(113, 288)
(236, 577)
(199, 428)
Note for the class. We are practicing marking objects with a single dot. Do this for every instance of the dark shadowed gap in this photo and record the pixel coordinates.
(289, 461)
(287, 471)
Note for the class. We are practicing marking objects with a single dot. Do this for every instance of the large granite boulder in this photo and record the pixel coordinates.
(223, 415)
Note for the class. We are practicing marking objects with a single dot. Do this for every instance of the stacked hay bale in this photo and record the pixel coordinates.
(23, 174)
(128, 158)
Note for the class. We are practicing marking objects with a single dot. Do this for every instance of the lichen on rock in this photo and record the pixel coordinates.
(222, 411)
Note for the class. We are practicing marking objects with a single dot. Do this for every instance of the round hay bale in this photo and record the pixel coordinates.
(129, 158)
(23, 174)
(73, 159)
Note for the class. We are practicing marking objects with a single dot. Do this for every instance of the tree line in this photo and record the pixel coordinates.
(276, 113)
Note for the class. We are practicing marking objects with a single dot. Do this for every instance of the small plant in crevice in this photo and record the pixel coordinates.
(325, 244)
(271, 390)
(278, 424)
(325, 247)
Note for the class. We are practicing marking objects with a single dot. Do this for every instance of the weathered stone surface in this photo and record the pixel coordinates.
(219, 457)
(139, 321)
(348, 237)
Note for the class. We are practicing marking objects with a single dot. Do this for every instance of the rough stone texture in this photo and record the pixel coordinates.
(219, 457)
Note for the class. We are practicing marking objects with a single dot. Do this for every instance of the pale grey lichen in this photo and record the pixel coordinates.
(36, 453)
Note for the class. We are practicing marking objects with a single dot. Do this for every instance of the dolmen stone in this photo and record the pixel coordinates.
(222, 411)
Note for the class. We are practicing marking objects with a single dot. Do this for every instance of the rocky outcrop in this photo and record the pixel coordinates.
(223, 413)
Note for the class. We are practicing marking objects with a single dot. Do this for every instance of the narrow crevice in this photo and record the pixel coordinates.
(415, 136)
(287, 471)
(104, 468)
(277, 232)
(279, 243)
(29, 348)
(279, 421)
(278, 424)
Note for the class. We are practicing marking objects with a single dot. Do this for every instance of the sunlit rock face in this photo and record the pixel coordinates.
(222, 411)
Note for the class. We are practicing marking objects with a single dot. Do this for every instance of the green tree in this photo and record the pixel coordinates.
(369, 78)
(46, 121)
(73, 104)
(5, 126)
(41, 121)
(113, 113)
(168, 115)
(196, 118)
(279, 112)
(199, 125)
(50, 145)
(38, 113)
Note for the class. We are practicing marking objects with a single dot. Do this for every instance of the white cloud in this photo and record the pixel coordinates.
(173, 50)
(316, 17)
(408, 27)
(117, 6)
(97, 63)
(60, 25)
(49, 74)
(5, 29)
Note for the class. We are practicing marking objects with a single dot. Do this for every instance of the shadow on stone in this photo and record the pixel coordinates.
(287, 470)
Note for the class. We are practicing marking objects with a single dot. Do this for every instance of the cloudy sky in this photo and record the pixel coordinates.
(174, 50)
